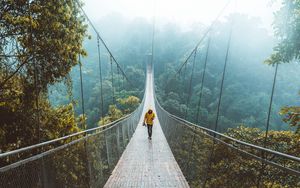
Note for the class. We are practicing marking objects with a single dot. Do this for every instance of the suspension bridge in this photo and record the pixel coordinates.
(119, 154)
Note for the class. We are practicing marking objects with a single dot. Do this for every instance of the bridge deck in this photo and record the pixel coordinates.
(147, 163)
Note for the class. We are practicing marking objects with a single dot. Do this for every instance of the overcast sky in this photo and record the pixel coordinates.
(183, 12)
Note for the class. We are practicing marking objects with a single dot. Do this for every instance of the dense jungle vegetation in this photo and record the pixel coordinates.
(40, 85)
(40, 91)
(247, 84)
(253, 56)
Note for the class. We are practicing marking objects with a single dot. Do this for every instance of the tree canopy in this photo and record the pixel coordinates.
(40, 43)
(287, 26)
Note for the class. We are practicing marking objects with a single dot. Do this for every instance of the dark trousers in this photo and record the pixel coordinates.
(149, 130)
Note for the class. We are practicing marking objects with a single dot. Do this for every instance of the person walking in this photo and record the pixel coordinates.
(148, 120)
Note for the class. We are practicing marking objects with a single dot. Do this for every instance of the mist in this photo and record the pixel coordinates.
(218, 81)
(248, 80)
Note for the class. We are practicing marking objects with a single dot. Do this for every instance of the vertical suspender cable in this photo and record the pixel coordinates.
(185, 70)
(274, 79)
(112, 80)
(270, 105)
(84, 126)
(190, 85)
(35, 78)
(123, 82)
(204, 36)
(186, 112)
(100, 75)
(153, 35)
(152, 46)
(202, 80)
(118, 80)
(40, 169)
(223, 77)
(81, 90)
(271, 100)
(102, 41)
(37, 93)
(268, 124)
(219, 104)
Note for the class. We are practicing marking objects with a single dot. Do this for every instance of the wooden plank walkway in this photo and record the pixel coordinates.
(147, 163)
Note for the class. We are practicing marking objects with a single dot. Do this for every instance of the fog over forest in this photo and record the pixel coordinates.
(224, 106)
(248, 80)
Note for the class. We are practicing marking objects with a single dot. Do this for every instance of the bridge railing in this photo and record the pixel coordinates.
(211, 159)
(84, 159)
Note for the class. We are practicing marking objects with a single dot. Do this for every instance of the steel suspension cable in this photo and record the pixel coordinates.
(40, 168)
(119, 83)
(101, 81)
(81, 91)
(152, 43)
(287, 16)
(2, 84)
(186, 112)
(262, 170)
(270, 104)
(35, 76)
(223, 76)
(37, 93)
(84, 126)
(153, 33)
(102, 41)
(202, 79)
(182, 77)
(184, 72)
(112, 79)
(190, 85)
(204, 36)
(219, 104)
(123, 82)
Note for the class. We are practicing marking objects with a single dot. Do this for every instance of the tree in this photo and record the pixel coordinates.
(129, 104)
(47, 36)
(41, 41)
(113, 114)
(231, 168)
(292, 116)
(286, 26)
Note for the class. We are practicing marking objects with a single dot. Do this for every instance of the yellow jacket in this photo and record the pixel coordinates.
(149, 118)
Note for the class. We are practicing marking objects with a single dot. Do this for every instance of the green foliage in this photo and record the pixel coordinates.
(247, 86)
(126, 106)
(59, 122)
(44, 39)
(229, 164)
(292, 116)
(220, 166)
(48, 36)
(286, 26)
(113, 114)
(129, 104)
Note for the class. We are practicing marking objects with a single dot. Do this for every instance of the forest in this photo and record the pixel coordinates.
(47, 92)
(247, 86)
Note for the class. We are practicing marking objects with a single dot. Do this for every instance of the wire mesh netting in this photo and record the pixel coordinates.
(84, 162)
(211, 159)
